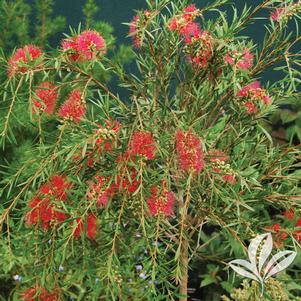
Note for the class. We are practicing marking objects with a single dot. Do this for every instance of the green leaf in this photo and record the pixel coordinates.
(288, 116)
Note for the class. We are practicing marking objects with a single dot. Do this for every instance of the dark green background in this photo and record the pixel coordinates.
(116, 12)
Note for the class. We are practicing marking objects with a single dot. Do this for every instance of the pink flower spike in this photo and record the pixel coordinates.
(289, 214)
(161, 203)
(267, 99)
(74, 107)
(91, 226)
(228, 59)
(251, 108)
(26, 55)
(70, 46)
(142, 144)
(90, 44)
(173, 24)
(191, 30)
(46, 98)
(244, 91)
(246, 62)
(190, 9)
(135, 28)
(189, 151)
(255, 85)
(278, 13)
(229, 179)
(297, 233)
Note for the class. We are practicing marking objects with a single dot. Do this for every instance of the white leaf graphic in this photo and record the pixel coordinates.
(265, 251)
(278, 262)
(252, 251)
(237, 265)
(273, 267)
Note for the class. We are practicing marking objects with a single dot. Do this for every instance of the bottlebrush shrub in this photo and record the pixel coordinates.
(141, 198)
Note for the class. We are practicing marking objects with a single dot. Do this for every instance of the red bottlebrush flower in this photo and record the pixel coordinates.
(279, 235)
(160, 202)
(85, 47)
(102, 142)
(135, 25)
(59, 216)
(45, 189)
(91, 44)
(191, 31)
(228, 59)
(56, 186)
(23, 56)
(142, 144)
(253, 94)
(190, 9)
(99, 191)
(58, 182)
(246, 62)
(32, 294)
(91, 227)
(276, 227)
(46, 98)
(189, 150)
(79, 228)
(198, 43)
(134, 32)
(251, 87)
(243, 60)
(180, 22)
(199, 49)
(289, 214)
(126, 184)
(217, 170)
(105, 135)
(41, 213)
(283, 236)
(297, 233)
(228, 178)
(218, 159)
(91, 161)
(251, 108)
(279, 231)
(278, 13)
(44, 209)
(44, 212)
(173, 24)
(266, 99)
(29, 294)
(74, 107)
(45, 295)
(70, 46)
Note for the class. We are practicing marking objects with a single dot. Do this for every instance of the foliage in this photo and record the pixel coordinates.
(15, 23)
(275, 291)
(117, 199)
(288, 117)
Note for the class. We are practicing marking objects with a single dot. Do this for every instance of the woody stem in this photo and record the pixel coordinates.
(184, 270)
(184, 244)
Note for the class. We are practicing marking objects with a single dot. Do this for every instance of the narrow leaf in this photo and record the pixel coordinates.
(237, 265)
(265, 252)
(274, 267)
